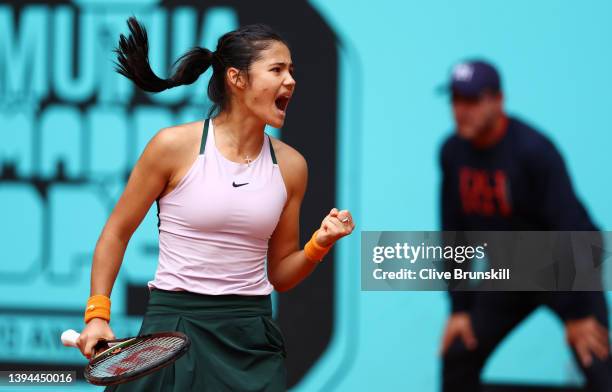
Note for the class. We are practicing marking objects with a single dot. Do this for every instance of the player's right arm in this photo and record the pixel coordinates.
(148, 179)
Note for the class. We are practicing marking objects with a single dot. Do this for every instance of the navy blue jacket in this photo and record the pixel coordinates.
(520, 183)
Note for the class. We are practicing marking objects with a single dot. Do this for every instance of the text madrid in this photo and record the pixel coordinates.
(433, 274)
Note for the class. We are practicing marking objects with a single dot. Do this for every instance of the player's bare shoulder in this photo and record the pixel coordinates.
(292, 164)
(178, 138)
(171, 152)
(175, 145)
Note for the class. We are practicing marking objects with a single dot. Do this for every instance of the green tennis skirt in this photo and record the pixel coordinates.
(235, 344)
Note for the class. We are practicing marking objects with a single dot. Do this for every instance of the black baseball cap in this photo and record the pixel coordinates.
(472, 78)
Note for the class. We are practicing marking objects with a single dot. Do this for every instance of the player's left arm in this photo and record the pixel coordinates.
(287, 263)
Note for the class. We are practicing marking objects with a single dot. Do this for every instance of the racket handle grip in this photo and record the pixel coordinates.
(69, 338)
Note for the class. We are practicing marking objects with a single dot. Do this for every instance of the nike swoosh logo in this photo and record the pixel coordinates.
(237, 185)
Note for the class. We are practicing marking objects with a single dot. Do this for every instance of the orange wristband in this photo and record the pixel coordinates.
(313, 251)
(98, 306)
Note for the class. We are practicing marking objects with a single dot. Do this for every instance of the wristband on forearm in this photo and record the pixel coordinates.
(313, 251)
(98, 306)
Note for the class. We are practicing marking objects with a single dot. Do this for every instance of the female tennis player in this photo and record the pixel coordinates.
(229, 199)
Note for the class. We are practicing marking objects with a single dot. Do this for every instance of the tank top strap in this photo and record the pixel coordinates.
(271, 150)
(204, 136)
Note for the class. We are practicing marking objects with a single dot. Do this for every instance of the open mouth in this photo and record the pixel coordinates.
(281, 102)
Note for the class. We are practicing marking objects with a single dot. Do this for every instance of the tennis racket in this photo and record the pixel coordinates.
(121, 360)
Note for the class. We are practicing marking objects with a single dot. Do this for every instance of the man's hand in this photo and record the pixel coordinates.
(459, 325)
(587, 336)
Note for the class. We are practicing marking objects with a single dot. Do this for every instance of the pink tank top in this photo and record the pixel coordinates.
(215, 225)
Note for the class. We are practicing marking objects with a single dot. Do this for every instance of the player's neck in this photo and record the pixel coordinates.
(494, 134)
(241, 132)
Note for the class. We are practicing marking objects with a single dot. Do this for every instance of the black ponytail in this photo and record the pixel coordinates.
(133, 62)
(238, 49)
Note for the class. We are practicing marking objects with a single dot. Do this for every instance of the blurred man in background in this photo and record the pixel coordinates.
(501, 174)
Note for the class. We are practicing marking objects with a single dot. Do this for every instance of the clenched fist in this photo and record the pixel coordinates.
(335, 225)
